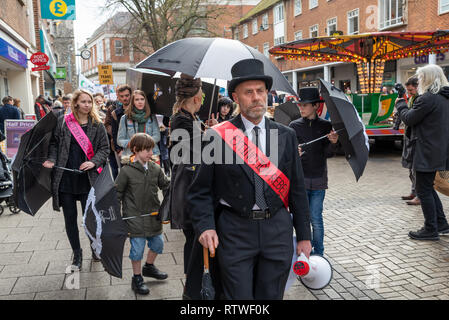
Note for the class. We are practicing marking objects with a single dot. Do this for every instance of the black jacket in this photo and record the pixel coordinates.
(234, 184)
(314, 160)
(429, 119)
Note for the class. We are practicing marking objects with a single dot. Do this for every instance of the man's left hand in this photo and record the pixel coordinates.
(333, 137)
(304, 246)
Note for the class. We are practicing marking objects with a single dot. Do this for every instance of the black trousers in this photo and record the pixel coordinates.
(254, 255)
(68, 202)
(430, 202)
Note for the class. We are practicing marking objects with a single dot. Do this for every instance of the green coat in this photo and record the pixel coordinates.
(138, 188)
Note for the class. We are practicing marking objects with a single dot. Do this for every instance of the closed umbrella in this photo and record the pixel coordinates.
(207, 288)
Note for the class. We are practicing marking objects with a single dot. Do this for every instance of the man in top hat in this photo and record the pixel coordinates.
(238, 209)
(314, 158)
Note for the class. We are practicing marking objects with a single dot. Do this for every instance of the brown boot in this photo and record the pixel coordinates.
(414, 202)
(409, 197)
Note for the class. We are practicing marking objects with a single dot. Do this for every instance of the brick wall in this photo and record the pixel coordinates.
(14, 13)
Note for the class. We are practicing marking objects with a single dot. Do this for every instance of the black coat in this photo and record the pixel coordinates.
(429, 119)
(234, 184)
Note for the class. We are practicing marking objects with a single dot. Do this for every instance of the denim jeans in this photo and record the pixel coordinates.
(155, 244)
(316, 199)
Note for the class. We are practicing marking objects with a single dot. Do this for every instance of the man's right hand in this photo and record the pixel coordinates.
(209, 239)
(48, 164)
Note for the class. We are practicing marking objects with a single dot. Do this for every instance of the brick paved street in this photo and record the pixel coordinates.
(366, 226)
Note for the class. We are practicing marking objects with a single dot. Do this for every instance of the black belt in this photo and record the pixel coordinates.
(253, 215)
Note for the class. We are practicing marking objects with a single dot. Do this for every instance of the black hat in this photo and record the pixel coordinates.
(309, 95)
(245, 70)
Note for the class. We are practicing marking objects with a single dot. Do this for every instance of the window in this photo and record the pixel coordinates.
(444, 6)
(390, 13)
(331, 26)
(100, 53)
(255, 26)
(298, 35)
(353, 21)
(313, 4)
(279, 13)
(298, 7)
(236, 34)
(118, 45)
(314, 31)
(245, 31)
(265, 21)
(278, 24)
(266, 47)
(279, 40)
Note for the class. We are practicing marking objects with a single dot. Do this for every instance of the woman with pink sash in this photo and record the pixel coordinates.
(80, 143)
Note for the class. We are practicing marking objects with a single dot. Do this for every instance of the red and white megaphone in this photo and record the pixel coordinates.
(315, 273)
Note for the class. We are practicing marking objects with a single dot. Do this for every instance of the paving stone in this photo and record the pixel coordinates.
(37, 246)
(24, 270)
(8, 247)
(119, 292)
(62, 295)
(38, 284)
(25, 296)
(6, 285)
(15, 258)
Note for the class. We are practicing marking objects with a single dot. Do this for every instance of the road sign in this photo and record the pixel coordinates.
(61, 73)
(40, 68)
(58, 9)
(39, 59)
(105, 74)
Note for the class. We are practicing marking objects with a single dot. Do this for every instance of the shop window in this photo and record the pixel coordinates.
(390, 13)
(353, 21)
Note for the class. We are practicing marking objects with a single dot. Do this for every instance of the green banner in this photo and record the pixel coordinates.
(58, 9)
(61, 73)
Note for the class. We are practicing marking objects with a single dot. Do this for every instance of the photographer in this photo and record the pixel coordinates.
(429, 122)
(408, 146)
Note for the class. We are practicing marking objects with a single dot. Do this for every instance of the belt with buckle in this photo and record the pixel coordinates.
(260, 214)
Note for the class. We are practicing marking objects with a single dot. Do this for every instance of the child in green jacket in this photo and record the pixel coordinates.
(138, 184)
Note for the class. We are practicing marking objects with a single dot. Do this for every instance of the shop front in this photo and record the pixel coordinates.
(407, 67)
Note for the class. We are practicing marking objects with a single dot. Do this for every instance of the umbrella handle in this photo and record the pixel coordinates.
(206, 258)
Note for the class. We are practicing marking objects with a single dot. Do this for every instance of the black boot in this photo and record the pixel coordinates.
(138, 286)
(77, 260)
(150, 270)
(423, 234)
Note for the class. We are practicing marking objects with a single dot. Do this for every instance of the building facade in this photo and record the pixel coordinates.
(273, 22)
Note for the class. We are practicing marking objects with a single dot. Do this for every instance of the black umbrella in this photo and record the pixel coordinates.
(286, 113)
(207, 288)
(210, 58)
(104, 225)
(351, 131)
(32, 182)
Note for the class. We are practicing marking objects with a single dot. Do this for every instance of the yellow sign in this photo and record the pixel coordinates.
(58, 8)
(105, 74)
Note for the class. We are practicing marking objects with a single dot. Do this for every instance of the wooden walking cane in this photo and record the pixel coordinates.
(206, 258)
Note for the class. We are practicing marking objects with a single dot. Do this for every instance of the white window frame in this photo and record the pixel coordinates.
(316, 28)
(442, 5)
(265, 21)
(352, 14)
(331, 24)
(297, 7)
(278, 14)
(107, 46)
(313, 4)
(245, 31)
(236, 34)
(297, 33)
(118, 47)
(279, 40)
(385, 23)
(266, 47)
(255, 26)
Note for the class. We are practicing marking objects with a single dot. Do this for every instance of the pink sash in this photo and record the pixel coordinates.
(80, 137)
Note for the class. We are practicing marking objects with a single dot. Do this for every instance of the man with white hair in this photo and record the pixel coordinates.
(429, 122)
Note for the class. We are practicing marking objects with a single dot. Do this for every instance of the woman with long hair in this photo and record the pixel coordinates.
(225, 109)
(429, 122)
(138, 118)
(79, 142)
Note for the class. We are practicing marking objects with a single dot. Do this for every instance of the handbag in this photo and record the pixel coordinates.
(441, 182)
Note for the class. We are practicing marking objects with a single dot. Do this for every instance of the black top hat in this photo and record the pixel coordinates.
(248, 69)
(309, 95)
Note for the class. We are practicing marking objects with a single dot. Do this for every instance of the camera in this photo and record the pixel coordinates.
(399, 89)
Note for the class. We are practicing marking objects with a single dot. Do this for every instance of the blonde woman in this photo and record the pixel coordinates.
(429, 122)
(79, 142)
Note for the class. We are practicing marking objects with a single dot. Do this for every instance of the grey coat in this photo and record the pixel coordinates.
(429, 119)
(58, 152)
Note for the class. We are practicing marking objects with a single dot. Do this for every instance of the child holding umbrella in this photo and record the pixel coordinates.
(137, 187)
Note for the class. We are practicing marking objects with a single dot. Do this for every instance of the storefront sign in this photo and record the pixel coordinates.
(14, 131)
(58, 9)
(39, 59)
(11, 53)
(425, 59)
(61, 73)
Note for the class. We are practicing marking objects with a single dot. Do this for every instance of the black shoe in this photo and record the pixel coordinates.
(443, 229)
(150, 270)
(139, 286)
(423, 234)
(77, 260)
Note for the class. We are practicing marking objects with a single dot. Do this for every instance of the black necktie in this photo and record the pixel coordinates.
(258, 181)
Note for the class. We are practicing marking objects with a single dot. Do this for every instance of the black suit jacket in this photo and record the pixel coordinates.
(234, 184)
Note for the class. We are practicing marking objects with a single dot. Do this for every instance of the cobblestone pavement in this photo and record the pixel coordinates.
(366, 226)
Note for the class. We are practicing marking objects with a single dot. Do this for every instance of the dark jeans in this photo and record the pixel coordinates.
(68, 202)
(430, 202)
(113, 164)
(188, 246)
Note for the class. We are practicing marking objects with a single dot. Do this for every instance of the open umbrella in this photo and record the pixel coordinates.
(32, 182)
(103, 224)
(207, 287)
(346, 121)
(286, 113)
(210, 58)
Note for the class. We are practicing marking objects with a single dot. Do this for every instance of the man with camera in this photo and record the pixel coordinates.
(408, 145)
